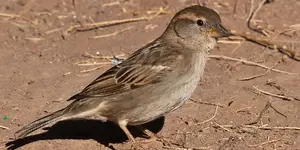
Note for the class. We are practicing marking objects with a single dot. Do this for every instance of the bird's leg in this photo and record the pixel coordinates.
(152, 136)
(149, 133)
(123, 125)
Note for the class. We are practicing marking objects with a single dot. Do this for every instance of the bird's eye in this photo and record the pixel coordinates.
(200, 22)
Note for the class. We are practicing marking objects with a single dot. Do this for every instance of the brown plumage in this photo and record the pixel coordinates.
(155, 80)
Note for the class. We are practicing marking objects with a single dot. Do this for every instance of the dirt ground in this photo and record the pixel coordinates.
(44, 62)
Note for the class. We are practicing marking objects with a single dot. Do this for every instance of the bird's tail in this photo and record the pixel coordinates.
(39, 123)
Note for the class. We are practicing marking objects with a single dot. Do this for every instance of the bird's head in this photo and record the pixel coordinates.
(197, 26)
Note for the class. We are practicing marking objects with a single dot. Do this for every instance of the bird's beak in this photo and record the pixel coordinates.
(218, 31)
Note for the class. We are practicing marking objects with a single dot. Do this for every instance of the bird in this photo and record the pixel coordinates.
(153, 81)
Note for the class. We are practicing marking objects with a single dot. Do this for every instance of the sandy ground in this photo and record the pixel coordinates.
(40, 68)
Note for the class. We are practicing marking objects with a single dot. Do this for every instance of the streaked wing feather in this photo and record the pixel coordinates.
(140, 69)
(139, 74)
(104, 85)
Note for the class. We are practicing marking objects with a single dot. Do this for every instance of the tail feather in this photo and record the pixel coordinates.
(37, 124)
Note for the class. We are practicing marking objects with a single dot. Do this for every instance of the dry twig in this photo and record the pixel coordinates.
(91, 26)
(260, 127)
(276, 95)
(244, 109)
(260, 114)
(111, 4)
(4, 127)
(226, 129)
(273, 84)
(252, 15)
(9, 15)
(264, 143)
(237, 47)
(215, 113)
(267, 43)
(229, 42)
(184, 148)
(206, 103)
(249, 63)
(94, 64)
(90, 70)
(34, 39)
(109, 60)
(278, 111)
(120, 56)
(111, 34)
(14, 16)
(53, 30)
(256, 76)
(96, 25)
(251, 11)
(161, 10)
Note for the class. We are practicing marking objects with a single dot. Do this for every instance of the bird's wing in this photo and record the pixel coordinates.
(144, 67)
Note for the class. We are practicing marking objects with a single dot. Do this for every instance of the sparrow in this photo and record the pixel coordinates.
(156, 79)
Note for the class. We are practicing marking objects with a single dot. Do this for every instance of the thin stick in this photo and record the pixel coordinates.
(243, 109)
(261, 127)
(120, 56)
(96, 25)
(94, 64)
(284, 32)
(53, 30)
(253, 15)
(237, 47)
(258, 8)
(111, 4)
(273, 84)
(4, 127)
(226, 129)
(250, 63)
(161, 10)
(34, 39)
(9, 15)
(253, 77)
(256, 76)
(260, 114)
(206, 103)
(91, 26)
(276, 95)
(184, 148)
(215, 113)
(278, 128)
(267, 43)
(264, 143)
(251, 11)
(229, 42)
(111, 34)
(89, 70)
(278, 111)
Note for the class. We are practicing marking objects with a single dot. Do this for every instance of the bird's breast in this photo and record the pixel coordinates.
(187, 81)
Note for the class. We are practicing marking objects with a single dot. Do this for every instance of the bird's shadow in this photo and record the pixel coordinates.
(103, 132)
